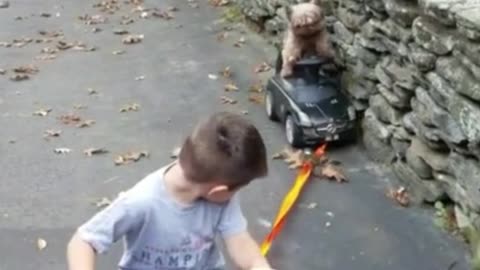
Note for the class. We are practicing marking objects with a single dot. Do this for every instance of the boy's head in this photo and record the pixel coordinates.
(223, 153)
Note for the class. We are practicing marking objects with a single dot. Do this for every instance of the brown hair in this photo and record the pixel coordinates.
(224, 147)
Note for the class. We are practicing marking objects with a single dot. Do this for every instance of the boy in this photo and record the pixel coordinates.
(169, 219)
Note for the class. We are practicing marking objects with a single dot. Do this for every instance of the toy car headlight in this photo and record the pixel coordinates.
(304, 119)
(351, 113)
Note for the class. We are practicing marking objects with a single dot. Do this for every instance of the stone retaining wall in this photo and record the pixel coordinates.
(413, 70)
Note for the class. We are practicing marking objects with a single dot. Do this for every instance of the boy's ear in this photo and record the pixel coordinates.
(316, 2)
(217, 189)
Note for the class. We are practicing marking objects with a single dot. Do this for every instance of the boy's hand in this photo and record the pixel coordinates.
(245, 252)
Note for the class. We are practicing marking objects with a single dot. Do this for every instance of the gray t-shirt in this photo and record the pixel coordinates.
(158, 233)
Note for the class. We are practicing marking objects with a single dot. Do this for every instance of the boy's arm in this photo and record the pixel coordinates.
(245, 252)
(80, 255)
(241, 247)
(101, 231)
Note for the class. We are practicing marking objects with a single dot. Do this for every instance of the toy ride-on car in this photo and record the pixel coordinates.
(310, 103)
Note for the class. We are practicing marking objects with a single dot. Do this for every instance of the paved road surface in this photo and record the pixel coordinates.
(47, 195)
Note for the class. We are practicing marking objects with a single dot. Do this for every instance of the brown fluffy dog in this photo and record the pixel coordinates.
(306, 33)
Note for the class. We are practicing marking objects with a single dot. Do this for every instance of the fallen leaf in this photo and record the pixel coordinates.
(118, 52)
(68, 119)
(127, 21)
(172, 9)
(212, 76)
(42, 112)
(263, 67)
(92, 20)
(312, 205)
(85, 124)
(240, 42)
(103, 202)
(62, 150)
(4, 4)
(130, 157)
(400, 195)
(91, 91)
(163, 14)
(41, 244)
(120, 31)
(256, 87)
(330, 171)
(45, 57)
(218, 3)
(52, 133)
(133, 39)
(130, 107)
(49, 50)
(5, 44)
(83, 47)
(222, 36)
(95, 151)
(227, 100)
(226, 72)
(51, 34)
(230, 87)
(26, 69)
(144, 15)
(79, 106)
(256, 98)
(19, 77)
(140, 78)
(294, 158)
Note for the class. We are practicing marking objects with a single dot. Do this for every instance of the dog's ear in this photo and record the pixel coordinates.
(315, 2)
(289, 12)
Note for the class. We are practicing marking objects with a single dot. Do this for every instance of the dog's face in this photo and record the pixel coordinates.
(306, 18)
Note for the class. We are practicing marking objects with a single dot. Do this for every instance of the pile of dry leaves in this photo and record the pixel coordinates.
(323, 166)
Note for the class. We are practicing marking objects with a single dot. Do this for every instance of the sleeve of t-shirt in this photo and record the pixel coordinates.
(232, 220)
(110, 224)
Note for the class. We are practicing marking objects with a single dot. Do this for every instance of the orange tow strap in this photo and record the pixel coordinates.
(302, 177)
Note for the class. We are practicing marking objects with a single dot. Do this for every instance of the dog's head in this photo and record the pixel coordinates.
(306, 18)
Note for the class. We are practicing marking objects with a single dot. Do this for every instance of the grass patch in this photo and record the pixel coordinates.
(232, 14)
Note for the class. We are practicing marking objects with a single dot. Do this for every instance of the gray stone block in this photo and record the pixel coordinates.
(380, 130)
(402, 11)
(430, 136)
(419, 190)
(440, 89)
(468, 63)
(458, 76)
(467, 172)
(432, 115)
(440, 10)
(384, 111)
(467, 114)
(468, 20)
(469, 48)
(433, 37)
(422, 58)
(418, 165)
(350, 19)
(399, 99)
(438, 161)
(342, 33)
(392, 29)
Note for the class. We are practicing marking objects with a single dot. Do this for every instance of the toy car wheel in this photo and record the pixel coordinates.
(269, 106)
(293, 133)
